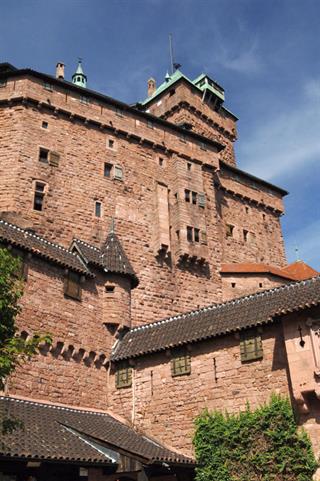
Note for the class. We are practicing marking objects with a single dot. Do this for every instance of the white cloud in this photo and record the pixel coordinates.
(245, 60)
(287, 142)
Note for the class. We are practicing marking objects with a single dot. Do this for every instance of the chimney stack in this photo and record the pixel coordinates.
(151, 86)
(60, 70)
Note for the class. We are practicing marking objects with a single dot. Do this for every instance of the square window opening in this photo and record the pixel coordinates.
(43, 155)
(45, 125)
(107, 169)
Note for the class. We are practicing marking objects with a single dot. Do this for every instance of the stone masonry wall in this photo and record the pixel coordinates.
(238, 285)
(149, 155)
(72, 370)
(166, 406)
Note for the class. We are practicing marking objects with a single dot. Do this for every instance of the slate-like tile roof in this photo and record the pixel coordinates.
(111, 257)
(219, 319)
(52, 432)
(18, 237)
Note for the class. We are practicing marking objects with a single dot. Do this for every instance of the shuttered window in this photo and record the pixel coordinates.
(180, 364)
(123, 376)
(72, 286)
(250, 346)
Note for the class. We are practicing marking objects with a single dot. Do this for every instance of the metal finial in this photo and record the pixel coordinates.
(112, 226)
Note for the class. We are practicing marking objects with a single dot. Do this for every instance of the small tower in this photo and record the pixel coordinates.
(79, 78)
(120, 279)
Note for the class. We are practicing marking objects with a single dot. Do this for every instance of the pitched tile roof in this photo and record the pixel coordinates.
(299, 271)
(252, 268)
(51, 432)
(111, 257)
(18, 237)
(219, 319)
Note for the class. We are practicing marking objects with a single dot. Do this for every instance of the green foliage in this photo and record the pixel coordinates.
(13, 349)
(260, 445)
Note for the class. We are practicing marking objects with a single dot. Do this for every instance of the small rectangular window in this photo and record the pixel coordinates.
(161, 161)
(203, 146)
(45, 125)
(245, 235)
(43, 155)
(84, 100)
(111, 143)
(150, 124)
(107, 169)
(3, 83)
(250, 346)
(229, 230)
(189, 166)
(118, 172)
(109, 289)
(197, 235)
(39, 193)
(48, 86)
(123, 376)
(189, 234)
(180, 364)
(194, 197)
(98, 209)
(72, 285)
(187, 195)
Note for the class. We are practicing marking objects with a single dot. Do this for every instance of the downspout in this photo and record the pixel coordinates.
(133, 412)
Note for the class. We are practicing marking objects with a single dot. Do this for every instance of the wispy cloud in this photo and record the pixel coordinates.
(244, 59)
(285, 143)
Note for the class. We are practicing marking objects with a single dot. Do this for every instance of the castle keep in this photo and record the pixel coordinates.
(158, 267)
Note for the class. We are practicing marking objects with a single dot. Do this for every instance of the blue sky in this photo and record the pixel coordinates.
(264, 53)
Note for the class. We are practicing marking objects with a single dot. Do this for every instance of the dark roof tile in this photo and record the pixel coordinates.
(54, 432)
(111, 257)
(218, 319)
(18, 237)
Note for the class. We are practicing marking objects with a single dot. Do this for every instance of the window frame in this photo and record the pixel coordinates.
(38, 193)
(251, 348)
(180, 363)
(123, 375)
(70, 280)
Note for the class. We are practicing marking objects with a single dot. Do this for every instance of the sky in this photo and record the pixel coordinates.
(264, 53)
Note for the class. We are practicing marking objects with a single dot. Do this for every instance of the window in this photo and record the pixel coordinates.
(263, 216)
(189, 234)
(111, 143)
(109, 289)
(107, 169)
(203, 146)
(43, 155)
(161, 161)
(229, 230)
(3, 83)
(84, 100)
(180, 364)
(178, 234)
(98, 209)
(44, 125)
(194, 197)
(118, 172)
(193, 234)
(39, 193)
(119, 112)
(72, 285)
(245, 235)
(150, 124)
(189, 166)
(247, 210)
(123, 376)
(260, 284)
(187, 195)
(233, 285)
(250, 346)
(48, 86)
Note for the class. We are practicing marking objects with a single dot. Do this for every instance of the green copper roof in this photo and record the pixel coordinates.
(79, 78)
(203, 82)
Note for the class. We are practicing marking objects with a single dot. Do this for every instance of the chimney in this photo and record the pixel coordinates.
(60, 70)
(151, 86)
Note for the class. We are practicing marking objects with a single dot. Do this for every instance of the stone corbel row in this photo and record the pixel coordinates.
(71, 352)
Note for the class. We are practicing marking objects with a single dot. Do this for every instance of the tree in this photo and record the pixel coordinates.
(13, 349)
(260, 445)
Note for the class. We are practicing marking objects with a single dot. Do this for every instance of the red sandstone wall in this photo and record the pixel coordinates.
(237, 285)
(167, 285)
(166, 406)
(185, 105)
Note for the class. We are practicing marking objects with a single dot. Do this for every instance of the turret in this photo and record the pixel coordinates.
(79, 78)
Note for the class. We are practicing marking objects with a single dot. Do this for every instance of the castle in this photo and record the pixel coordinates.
(158, 267)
